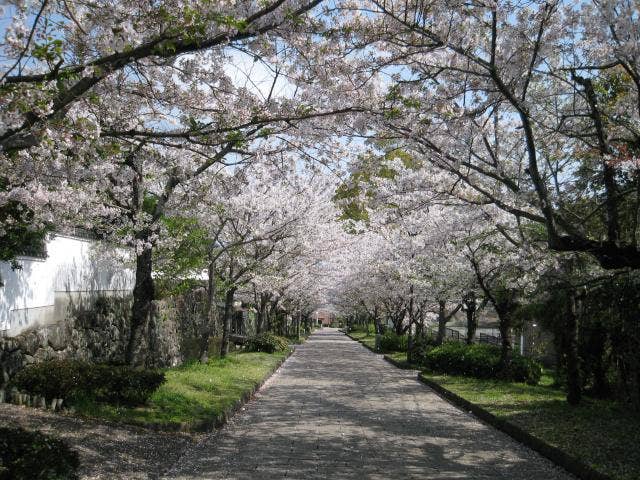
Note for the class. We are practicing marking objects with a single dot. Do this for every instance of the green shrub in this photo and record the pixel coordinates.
(481, 361)
(422, 345)
(52, 379)
(369, 328)
(358, 328)
(124, 384)
(267, 342)
(392, 342)
(33, 456)
(523, 369)
(69, 379)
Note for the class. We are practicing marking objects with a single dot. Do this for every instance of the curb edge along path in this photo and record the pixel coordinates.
(335, 410)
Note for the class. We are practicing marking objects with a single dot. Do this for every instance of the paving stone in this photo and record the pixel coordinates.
(337, 411)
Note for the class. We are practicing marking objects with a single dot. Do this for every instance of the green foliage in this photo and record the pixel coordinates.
(267, 342)
(481, 361)
(365, 338)
(392, 342)
(19, 234)
(175, 266)
(422, 344)
(50, 51)
(28, 455)
(194, 393)
(121, 384)
(74, 379)
(349, 195)
(369, 328)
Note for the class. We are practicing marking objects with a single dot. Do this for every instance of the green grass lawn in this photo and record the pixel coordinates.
(401, 357)
(367, 339)
(193, 393)
(602, 434)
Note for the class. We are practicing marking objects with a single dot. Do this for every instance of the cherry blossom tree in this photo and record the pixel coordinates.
(533, 109)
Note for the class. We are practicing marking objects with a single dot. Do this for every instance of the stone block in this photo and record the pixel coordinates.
(31, 341)
(13, 395)
(13, 362)
(57, 337)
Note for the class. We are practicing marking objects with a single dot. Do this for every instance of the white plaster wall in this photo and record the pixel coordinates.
(72, 265)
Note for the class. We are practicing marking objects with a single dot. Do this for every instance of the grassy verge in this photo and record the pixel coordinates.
(600, 433)
(367, 339)
(399, 359)
(194, 394)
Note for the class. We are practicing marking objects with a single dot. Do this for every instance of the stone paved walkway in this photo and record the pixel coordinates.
(337, 411)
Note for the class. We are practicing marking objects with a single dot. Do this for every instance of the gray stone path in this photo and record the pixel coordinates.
(337, 411)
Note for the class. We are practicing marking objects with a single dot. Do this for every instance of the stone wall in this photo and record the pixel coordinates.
(96, 332)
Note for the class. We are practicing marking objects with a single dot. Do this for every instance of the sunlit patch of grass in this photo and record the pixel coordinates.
(603, 434)
(194, 393)
(367, 339)
(397, 356)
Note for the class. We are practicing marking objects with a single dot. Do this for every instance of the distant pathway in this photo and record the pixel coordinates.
(337, 411)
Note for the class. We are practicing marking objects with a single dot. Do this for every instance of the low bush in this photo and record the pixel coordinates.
(422, 344)
(523, 369)
(124, 384)
(392, 342)
(28, 455)
(267, 342)
(69, 379)
(481, 361)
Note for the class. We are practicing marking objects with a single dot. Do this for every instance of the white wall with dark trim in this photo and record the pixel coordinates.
(39, 292)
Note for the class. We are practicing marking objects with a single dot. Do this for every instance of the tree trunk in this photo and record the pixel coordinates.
(472, 320)
(410, 339)
(210, 314)
(442, 322)
(262, 313)
(228, 315)
(399, 329)
(574, 381)
(143, 294)
(273, 317)
(504, 326)
(376, 320)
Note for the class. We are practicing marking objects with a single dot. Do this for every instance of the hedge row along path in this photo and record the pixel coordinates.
(336, 410)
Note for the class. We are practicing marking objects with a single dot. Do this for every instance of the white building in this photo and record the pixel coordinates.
(40, 292)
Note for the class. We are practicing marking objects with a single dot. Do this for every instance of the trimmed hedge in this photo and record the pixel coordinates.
(69, 379)
(267, 342)
(28, 455)
(392, 342)
(481, 361)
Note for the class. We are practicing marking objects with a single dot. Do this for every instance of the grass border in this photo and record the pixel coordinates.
(223, 417)
(202, 426)
(401, 364)
(570, 463)
(404, 365)
(361, 343)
